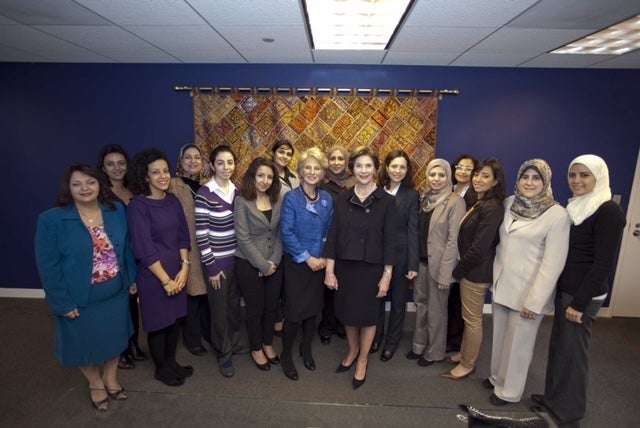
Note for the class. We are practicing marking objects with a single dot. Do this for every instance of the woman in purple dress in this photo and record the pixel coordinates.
(160, 240)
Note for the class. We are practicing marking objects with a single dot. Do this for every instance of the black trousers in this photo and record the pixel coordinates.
(225, 316)
(196, 326)
(565, 391)
(399, 294)
(261, 295)
(455, 323)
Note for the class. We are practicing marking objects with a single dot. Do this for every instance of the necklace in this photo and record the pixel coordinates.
(315, 198)
(89, 218)
(365, 195)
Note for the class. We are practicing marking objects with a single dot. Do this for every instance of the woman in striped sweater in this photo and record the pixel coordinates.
(216, 237)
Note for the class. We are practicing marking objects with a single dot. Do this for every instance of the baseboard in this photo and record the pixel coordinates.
(24, 293)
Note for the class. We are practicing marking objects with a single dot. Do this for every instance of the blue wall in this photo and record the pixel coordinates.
(54, 114)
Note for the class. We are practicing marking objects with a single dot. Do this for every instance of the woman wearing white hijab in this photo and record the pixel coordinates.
(534, 239)
(582, 287)
(438, 226)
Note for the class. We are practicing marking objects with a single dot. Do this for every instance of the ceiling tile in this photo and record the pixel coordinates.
(565, 61)
(577, 14)
(630, 60)
(466, 13)
(250, 37)
(144, 12)
(524, 40)
(490, 60)
(41, 12)
(260, 56)
(438, 39)
(249, 12)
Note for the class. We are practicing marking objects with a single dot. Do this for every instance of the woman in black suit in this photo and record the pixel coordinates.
(396, 178)
(477, 241)
(361, 252)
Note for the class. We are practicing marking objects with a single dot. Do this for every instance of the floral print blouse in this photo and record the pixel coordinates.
(105, 261)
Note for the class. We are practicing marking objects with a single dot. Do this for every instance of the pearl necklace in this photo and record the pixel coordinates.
(315, 198)
(366, 195)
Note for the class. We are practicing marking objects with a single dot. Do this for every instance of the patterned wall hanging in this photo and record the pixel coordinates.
(251, 123)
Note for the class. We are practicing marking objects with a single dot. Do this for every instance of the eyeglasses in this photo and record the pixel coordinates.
(463, 168)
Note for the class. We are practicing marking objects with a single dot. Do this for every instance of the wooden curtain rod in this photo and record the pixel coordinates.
(318, 91)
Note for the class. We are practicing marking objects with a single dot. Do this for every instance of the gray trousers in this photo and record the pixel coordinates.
(430, 334)
(514, 339)
(224, 305)
(565, 391)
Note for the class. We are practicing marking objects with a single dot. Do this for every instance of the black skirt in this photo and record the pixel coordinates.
(355, 300)
(303, 290)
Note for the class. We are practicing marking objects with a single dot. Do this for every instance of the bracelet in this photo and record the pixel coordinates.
(185, 262)
(166, 282)
(387, 271)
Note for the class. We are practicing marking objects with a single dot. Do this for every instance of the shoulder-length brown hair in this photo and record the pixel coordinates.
(248, 186)
(65, 199)
(364, 151)
(384, 178)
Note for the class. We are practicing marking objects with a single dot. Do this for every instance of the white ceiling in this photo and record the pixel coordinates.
(485, 33)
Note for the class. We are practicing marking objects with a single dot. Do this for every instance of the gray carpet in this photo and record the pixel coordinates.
(38, 392)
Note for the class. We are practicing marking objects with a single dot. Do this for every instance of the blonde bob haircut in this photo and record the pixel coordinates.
(313, 153)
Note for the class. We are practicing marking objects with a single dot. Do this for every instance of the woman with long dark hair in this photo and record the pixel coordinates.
(114, 161)
(160, 240)
(87, 267)
(258, 254)
(477, 240)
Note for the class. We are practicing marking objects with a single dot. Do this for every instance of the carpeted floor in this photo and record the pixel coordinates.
(37, 392)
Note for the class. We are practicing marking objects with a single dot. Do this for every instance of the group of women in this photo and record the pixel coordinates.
(330, 241)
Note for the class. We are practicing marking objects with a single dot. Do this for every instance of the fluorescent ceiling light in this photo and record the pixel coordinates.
(354, 24)
(618, 39)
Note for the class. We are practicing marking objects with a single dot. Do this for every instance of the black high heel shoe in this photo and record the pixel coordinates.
(342, 368)
(275, 360)
(135, 352)
(264, 367)
(357, 383)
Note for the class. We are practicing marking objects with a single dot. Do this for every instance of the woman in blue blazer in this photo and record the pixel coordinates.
(87, 268)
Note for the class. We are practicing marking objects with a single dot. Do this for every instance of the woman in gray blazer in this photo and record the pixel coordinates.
(439, 222)
(534, 240)
(258, 255)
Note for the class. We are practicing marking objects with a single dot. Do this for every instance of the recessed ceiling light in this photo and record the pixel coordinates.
(268, 40)
(354, 24)
(618, 39)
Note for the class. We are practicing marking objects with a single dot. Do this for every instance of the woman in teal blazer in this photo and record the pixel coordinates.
(87, 268)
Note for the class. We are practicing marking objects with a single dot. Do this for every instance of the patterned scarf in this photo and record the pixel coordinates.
(530, 208)
(344, 178)
(433, 198)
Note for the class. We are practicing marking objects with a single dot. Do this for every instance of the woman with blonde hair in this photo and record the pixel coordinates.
(304, 224)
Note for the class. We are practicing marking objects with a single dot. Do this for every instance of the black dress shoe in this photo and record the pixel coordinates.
(275, 360)
(288, 368)
(168, 377)
(497, 401)
(197, 350)
(374, 347)
(342, 368)
(386, 355)
(125, 362)
(183, 371)
(357, 383)
(487, 384)
(325, 340)
(423, 362)
(309, 364)
(413, 356)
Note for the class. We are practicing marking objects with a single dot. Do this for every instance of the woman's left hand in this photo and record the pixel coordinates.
(443, 287)
(573, 315)
(526, 313)
(411, 274)
(133, 288)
